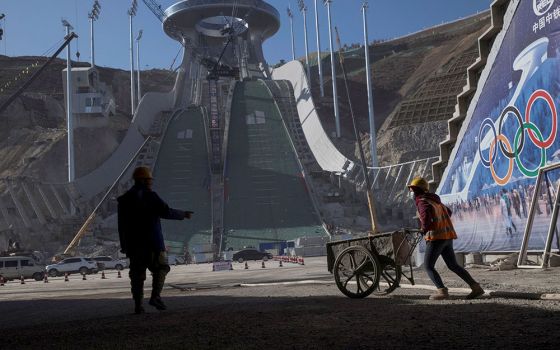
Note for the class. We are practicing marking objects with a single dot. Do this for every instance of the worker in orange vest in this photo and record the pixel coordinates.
(435, 220)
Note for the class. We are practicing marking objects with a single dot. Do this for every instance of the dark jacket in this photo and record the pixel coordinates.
(426, 211)
(139, 213)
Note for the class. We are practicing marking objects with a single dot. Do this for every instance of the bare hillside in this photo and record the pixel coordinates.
(33, 128)
(416, 80)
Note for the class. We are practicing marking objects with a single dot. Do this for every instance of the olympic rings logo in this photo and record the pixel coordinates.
(513, 153)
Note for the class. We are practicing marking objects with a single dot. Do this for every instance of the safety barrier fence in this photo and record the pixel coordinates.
(45, 277)
(289, 259)
(281, 259)
(389, 187)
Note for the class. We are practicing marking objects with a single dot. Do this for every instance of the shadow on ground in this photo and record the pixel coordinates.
(223, 322)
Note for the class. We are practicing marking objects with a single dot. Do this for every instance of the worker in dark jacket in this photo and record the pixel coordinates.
(139, 213)
(435, 220)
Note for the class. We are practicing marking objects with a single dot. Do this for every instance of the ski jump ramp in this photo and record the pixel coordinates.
(325, 152)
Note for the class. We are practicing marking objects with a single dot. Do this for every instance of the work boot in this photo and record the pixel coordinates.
(476, 291)
(138, 308)
(441, 294)
(157, 303)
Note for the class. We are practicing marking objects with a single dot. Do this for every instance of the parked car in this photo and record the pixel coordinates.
(251, 254)
(72, 265)
(111, 263)
(100, 266)
(13, 267)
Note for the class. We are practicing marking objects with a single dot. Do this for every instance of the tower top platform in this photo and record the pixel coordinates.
(211, 17)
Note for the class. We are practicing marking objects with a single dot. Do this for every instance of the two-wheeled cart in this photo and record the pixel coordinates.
(372, 264)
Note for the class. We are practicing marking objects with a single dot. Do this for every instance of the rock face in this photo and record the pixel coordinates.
(33, 128)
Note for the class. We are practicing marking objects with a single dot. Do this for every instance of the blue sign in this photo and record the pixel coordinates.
(509, 134)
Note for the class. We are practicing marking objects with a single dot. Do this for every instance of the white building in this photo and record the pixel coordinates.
(92, 100)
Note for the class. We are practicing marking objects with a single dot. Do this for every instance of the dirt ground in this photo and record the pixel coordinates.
(293, 307)
(298, 317)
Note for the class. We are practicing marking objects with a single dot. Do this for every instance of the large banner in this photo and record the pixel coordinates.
(509, 134)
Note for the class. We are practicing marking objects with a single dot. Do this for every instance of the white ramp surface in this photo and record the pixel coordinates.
(325, 152)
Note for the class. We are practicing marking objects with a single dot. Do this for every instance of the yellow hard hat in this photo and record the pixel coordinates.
(142, 172)
(419, 182)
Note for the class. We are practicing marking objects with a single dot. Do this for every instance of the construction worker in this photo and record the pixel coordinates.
(436, 225)
(139, 213)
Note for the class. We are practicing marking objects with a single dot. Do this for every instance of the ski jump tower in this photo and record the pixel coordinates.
(230, 155)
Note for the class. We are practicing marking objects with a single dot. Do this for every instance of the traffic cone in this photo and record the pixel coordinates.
(262, 265)
(280, 264)
(119, 274)
(1, 280)
(22, 279)
(46, 278)
(103, 275)
(84, 277)
(66, 277)
(246, 266)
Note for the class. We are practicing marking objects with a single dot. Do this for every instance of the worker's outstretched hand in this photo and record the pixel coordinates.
(188, 214)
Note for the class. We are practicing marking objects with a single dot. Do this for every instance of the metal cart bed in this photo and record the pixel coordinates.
(372, 264)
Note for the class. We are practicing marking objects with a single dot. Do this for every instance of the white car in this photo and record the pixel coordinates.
(71, 265)
(110, 263)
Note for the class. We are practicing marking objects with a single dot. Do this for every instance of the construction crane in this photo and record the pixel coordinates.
(231, 29)
(156, 9)
(217, 69)
(15, 95)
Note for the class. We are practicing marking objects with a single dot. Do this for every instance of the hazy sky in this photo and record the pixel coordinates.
(32, 27)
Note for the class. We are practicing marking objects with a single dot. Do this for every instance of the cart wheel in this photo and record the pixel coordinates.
(390, 277)
(356, 272)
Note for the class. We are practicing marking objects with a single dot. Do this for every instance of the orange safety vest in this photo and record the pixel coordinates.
(441, 226)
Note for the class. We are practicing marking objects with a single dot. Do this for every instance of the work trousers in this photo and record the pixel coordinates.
(443, 247)
(157, 263)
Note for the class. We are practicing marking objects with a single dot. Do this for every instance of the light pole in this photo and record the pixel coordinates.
(303, 9)
(69, 114)
(3, 19)
(319, 64)
(290, 14)
(333, 71)
(373, 141)
(2, 16)
(138, 62)
(93, 16)
(132, 13)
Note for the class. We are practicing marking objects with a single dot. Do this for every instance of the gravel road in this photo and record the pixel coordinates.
(212, 310)
(293, 317)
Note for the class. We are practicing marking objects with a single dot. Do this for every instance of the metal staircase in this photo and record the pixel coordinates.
(283, 93)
